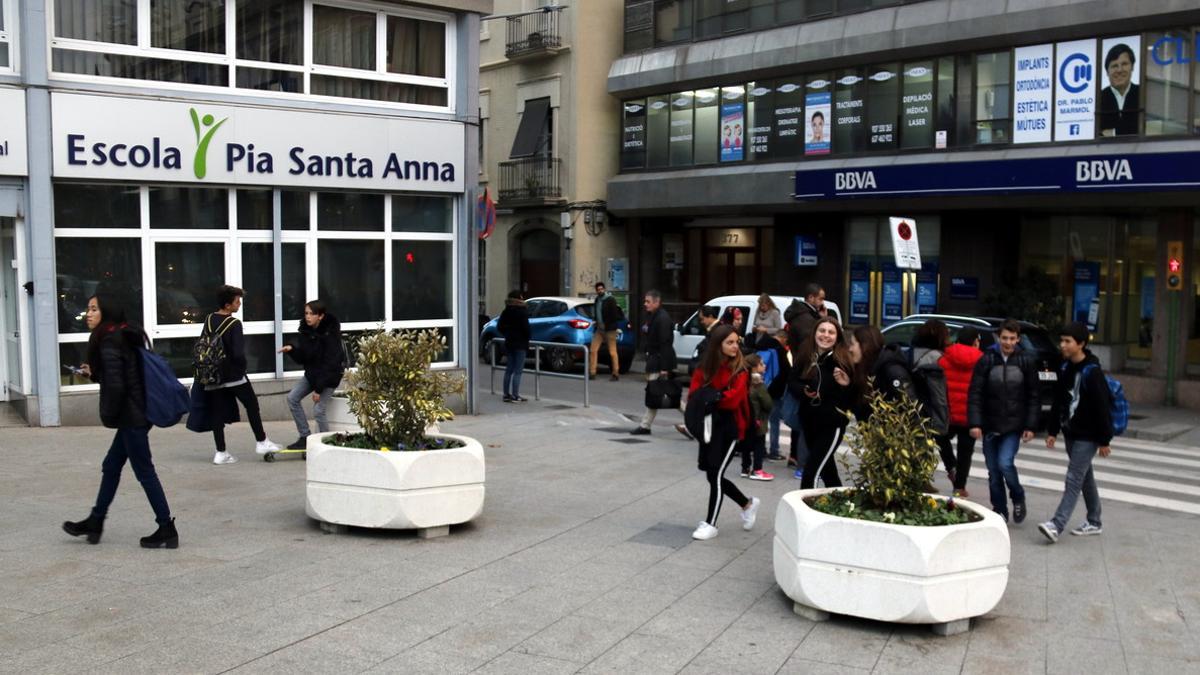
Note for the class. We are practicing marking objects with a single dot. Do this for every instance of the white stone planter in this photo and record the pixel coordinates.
(427, 491)
(337, 413)
(940, 575)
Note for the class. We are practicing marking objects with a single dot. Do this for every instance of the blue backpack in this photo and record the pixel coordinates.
(1118, 403)
(771, 361)
(167, 401)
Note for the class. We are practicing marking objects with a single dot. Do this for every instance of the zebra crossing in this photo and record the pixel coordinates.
(1146, 473)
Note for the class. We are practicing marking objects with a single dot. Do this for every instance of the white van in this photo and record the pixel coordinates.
(689, 333)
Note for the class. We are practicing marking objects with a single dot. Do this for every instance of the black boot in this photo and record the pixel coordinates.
(91, 526)
(164, 537)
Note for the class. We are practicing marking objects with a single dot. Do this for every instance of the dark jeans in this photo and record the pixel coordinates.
(133, 445)
(719, 486)
(224, 399)
(1079, 479)
(960, 464)
(753, 448)
(513, 368)
(1000, 452)
(822, 444)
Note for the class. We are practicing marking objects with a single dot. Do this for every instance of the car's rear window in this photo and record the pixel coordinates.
(1037, 340)
(586, 309)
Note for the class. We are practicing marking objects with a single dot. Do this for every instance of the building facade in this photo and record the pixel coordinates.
(549, 147)
(1048, 154)
(298, 149)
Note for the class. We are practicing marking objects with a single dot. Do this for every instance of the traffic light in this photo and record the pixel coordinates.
(1174, 265)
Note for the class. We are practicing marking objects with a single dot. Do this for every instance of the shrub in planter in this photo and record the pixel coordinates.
(896, 455)
(394, 395)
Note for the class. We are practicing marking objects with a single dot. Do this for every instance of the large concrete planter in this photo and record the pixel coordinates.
(941, 575)
(427, 491)
(337, 413)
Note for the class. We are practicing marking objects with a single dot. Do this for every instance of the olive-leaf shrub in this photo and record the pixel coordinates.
(896, 453)
(394, 394)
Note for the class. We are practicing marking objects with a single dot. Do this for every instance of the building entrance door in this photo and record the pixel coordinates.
(539, 264)
(10, 344)
(731, 263)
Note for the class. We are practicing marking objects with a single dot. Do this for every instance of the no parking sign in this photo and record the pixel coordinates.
(904, 243)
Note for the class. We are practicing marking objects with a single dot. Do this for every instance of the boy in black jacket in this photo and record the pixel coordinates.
(1083, 412)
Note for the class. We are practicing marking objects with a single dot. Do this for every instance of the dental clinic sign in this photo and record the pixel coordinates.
(111, 138)
(13, 158)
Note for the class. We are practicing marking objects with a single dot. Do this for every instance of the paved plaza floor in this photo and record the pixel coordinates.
(581, 562)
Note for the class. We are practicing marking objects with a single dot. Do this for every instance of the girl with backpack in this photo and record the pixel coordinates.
(113, 362)
(823, 381)
(318, 348)
(723, 377)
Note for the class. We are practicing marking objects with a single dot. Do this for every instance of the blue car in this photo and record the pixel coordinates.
(565, 320)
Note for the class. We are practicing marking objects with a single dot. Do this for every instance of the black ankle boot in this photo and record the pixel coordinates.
(91, 526)
(164, 537)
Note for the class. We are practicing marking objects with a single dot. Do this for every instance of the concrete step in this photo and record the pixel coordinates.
(1161, 432)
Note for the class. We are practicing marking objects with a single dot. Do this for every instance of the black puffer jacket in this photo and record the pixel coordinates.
(514, 325)
(890, 376)
(834, 398)
(1004, 397)
(319, 350)
(119, 372)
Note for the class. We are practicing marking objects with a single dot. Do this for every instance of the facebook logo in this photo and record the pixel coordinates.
(1073, 130)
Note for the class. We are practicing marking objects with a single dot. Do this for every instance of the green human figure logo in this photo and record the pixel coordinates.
(205, 128)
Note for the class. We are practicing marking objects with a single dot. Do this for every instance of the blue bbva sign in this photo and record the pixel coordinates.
(1106, 173)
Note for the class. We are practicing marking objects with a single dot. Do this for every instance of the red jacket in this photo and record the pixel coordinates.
(958, 362)
(736, 399)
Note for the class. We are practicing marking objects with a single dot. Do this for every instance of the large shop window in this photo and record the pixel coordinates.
(7, 23)
(161, 252)
(1166, 89)
(993, 109)
(324, 48)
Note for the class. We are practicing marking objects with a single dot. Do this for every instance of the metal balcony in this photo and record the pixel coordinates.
(533, 181)
(533, 35)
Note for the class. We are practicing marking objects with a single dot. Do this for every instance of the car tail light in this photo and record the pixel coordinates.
(579, 324)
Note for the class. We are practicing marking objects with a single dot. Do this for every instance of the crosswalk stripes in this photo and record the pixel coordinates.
(1139, 472)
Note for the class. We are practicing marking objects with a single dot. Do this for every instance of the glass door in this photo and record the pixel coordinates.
(10, 345)
(881, 294)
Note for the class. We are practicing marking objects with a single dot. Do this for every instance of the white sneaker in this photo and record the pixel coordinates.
(1086, 530)
(749, 515)
(704, 532)
(263, 447)
(224, 458)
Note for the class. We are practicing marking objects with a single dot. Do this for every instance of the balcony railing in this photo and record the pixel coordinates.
(531, 181)
(533, 35)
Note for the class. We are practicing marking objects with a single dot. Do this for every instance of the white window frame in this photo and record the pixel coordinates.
(8, 36)
(232, 238)
(306, 69)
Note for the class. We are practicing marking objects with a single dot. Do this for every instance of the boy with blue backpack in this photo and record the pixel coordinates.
(1084, 405)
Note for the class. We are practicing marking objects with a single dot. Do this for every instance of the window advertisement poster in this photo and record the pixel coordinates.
(1075, 91)
(964, 288)
(680, 143)
(1086, 305)
(1120, 95)
(760, 114)
(883, 99)
(806, 251)
(927, 288)
(816, 133)
(672, 257)
(733, 122)
(789, 118)
(849, 123)
(1033, 94)
(860, 290)
(633, 145)
(917, 106)
(893, 294)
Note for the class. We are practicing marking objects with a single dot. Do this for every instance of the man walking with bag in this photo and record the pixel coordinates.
(607, 317)
(659, 338)
(1083, 412)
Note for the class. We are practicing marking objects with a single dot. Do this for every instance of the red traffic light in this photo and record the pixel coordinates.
(1174, 265)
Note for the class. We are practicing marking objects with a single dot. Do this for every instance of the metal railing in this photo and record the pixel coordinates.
(534, 179)
(537, 346)
(532, 34)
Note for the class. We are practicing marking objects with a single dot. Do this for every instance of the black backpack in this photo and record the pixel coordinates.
(209, 351)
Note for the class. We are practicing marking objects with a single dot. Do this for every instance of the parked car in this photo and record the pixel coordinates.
(564, 320)
(1034, 339)
(689, 333)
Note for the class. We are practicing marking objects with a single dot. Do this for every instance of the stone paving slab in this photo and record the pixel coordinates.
(581, 562)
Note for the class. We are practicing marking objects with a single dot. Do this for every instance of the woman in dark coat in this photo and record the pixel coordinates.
(823, 381)
(318, 348)
(514, 326)
(113, 361)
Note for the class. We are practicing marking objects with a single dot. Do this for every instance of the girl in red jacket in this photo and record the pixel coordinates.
(958, 362)
(723, 368)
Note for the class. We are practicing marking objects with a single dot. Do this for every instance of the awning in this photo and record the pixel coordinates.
(533, 125)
